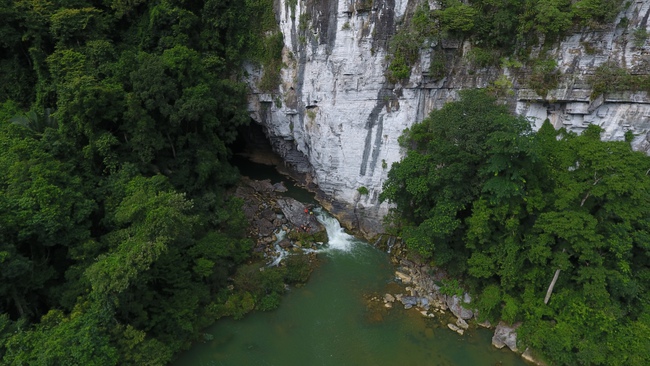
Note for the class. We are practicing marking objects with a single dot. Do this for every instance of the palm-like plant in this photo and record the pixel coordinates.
(34, 121)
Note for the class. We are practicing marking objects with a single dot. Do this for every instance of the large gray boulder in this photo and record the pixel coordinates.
(294, 211)
(505, 335)
(455, 305)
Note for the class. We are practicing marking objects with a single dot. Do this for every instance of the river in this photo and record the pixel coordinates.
(333, 321)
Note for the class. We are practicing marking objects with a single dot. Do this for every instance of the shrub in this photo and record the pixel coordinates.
(298, 268)
(483, 57)
(640, 36)
(451, 288)
(545, 76)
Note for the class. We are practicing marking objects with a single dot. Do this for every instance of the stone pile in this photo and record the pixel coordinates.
(268, 213)
(424, 294)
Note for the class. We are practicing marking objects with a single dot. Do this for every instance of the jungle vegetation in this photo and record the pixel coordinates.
(497, 29)
(118, 242)
(507, 209)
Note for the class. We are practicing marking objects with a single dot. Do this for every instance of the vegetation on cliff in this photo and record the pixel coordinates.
(507, 210)
(495, 29)
(117, 238)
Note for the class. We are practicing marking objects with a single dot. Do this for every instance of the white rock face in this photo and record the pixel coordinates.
(336, 119)
(505, 335)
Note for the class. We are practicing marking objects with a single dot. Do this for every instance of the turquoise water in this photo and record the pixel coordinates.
(333, 321)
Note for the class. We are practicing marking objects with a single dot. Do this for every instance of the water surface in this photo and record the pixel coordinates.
(332, 321)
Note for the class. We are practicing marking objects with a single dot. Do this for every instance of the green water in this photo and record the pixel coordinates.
(329, 322)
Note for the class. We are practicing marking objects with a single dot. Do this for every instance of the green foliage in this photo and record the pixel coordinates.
(399, 69)
(406, 43)
(59, 339)
(609, 77)
(640, 35)
(438, 66)
(264, 284)
(298, 268)
(501, 87)
(456, 17)
(363, 190)
(601, 11)
(504, 209)
(117, 236)
(272, 62)
(482, 57)
(451, 288)
(545, 76)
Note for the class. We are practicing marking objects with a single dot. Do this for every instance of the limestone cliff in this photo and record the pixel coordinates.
(335, 118)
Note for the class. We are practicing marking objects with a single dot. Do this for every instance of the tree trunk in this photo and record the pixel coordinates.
(550, 287)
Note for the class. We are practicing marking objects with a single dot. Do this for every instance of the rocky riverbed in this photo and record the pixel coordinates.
(270, 213)
(421, 289)
(418, 286)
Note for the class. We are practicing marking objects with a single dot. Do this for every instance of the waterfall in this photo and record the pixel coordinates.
(338, 239)
(281, 252)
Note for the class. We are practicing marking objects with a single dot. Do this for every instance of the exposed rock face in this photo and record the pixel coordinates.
(505, 335)
(299, 215)
(336, 119)
(455, 306)
(268, 212)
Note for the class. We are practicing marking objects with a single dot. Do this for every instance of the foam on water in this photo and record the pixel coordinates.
(338, 239)
(281, 252)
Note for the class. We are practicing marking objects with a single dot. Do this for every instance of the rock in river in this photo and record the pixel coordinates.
(505, 335)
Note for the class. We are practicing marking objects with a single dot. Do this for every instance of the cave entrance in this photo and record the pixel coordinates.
(252, 144)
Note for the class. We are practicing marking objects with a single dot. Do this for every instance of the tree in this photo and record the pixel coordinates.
(520, 216)
(446, 167)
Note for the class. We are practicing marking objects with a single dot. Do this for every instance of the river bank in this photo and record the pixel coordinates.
(412, 287)
(336, 318)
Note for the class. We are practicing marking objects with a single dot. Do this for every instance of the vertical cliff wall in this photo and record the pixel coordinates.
(335, 118)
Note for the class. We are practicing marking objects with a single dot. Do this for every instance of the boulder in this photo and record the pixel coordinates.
(409, 300)
(528, 356)
(261, 185)
(279, 187)
(485, 324)
(505, 335)
(403, 277)
(294, 211)
(265, 227)
(455, 305)
(284, 243)
(455, 329)
(460, 322)
(389, 298)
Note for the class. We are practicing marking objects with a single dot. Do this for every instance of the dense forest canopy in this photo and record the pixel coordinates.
(505, 209)
(118, 241)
